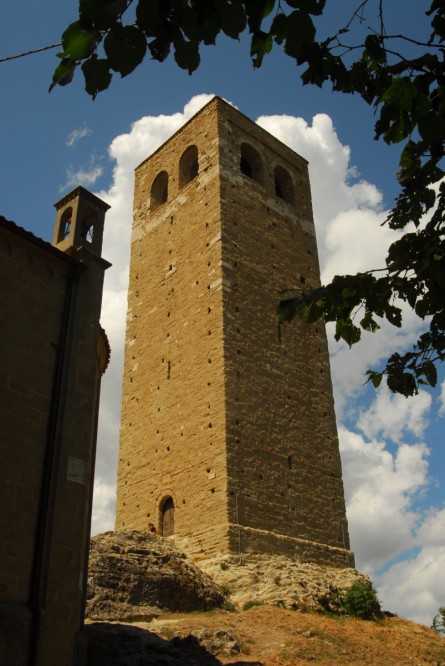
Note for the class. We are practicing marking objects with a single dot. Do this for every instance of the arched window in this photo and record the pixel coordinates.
(87, 228)
(188, 165)
(284, 187)
(159, 190)
(250, 163)
(168, 517)
(65, 224)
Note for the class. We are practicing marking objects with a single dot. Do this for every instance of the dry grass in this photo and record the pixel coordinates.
(278, 637)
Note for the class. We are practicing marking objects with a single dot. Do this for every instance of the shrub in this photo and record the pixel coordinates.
(225, 589)
(251, 604)
(439, 622)
(224, 566)
(361, 601)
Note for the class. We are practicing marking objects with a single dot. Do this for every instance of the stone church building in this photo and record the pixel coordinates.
(53, 352)
(228, 432)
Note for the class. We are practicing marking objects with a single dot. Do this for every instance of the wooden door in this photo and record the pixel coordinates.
(168, 517)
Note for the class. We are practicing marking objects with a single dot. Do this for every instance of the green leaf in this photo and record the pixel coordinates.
(401, 92)
(77, 42)
(97, 75)
(233, 19)
(287, 309)
(63, 74)
(346, 330)
(314, 7)
(374, 48)
(260, 45)
(314, 312)
(369, 324)
(150, 17)
(101, 13)
(431, 127)
(300, 30)
(430, 373)
(422, 309)
(125, 47)
(375, 377)
(401, 382)
(278, 28)
(187, 55)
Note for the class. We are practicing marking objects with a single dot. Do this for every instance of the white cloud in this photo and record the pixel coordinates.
(382, 486)
(84, 177)
(391, 415)
(104, 500)
(415, 587)
(442, 399)
(76, 135)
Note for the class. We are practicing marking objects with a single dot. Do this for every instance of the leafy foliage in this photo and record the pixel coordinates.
(361, 601)
(439, 621)
(401, 77)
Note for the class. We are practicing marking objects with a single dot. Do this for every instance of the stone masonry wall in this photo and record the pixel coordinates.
(283, 458)
(50, 380)
(231, 419)
(173, 418)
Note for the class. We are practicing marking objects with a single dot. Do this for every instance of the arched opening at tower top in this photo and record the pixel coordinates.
(251, 164)
(159, 190)
(284, 187)
(188, 166)
(167, 517)
(65, 224)
(88, 225)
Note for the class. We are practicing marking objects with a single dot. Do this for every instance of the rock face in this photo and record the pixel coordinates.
(134, 576)
(280, 581)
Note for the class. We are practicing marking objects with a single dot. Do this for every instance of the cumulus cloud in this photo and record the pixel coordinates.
(382, 482)
(416, 585)
(86, 177)
(76, 135)
(380, 487)
(392, 415)
(442, 399)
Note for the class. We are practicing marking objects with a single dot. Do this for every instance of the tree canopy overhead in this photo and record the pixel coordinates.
(401, 76)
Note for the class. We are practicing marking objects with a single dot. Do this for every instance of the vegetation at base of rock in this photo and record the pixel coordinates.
(250, 604)
(402, 77)
(226, 589)
(361, 601)
(439, 621)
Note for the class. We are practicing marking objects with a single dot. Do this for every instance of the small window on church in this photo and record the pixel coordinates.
(87, 228)
(251, 164)
(159, 190)
(65, 224)
(188, 166)
(284, 187)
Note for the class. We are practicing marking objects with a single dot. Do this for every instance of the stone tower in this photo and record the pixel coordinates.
(228, 432)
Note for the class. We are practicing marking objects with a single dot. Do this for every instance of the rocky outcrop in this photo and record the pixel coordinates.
(134, 576)
(254, 578)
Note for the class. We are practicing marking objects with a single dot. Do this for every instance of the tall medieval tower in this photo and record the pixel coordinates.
(228, 432)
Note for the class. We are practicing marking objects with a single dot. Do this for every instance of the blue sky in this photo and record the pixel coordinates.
(392, 448)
